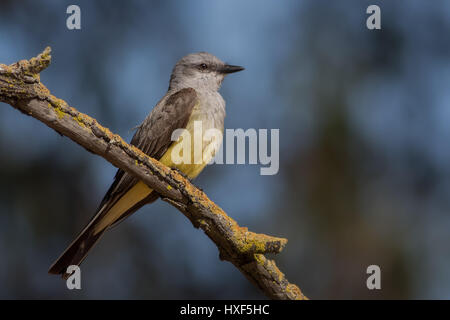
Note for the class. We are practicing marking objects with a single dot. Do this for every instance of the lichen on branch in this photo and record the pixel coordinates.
(20, 87)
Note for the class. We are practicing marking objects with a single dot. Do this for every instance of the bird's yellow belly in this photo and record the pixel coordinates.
(207, 146)
(198, 161)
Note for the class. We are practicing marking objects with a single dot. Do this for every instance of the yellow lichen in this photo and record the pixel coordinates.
(260, 259)
(79, 120)
(295, 292)
(202, 222)
(249, 241)
(60, 113)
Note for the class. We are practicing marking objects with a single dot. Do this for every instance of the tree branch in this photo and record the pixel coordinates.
(20, 87)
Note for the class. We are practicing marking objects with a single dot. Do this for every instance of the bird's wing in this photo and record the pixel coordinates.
(154, 138)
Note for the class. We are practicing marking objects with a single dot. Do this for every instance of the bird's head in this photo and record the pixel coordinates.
(201, 71)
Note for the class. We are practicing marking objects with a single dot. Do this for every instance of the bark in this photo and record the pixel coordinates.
(20, 87)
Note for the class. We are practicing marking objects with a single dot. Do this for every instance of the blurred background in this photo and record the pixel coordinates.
(364, 168)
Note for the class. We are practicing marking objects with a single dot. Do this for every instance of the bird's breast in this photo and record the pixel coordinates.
(205, 131)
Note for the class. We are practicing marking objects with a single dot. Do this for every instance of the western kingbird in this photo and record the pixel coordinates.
(193, 95)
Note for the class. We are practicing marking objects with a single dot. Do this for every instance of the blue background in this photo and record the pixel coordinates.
(364, 158)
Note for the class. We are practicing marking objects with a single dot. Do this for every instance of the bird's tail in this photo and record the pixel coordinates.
(78, 249)
(110, 214)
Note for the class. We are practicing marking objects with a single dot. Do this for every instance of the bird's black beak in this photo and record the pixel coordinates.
(230, 69)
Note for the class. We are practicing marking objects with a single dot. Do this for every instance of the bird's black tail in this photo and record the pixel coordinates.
(104, 219)
(77, 250)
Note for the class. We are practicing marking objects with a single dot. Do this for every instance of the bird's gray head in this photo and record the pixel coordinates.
(201, 71)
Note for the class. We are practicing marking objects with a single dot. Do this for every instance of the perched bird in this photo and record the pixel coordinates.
(193, 95)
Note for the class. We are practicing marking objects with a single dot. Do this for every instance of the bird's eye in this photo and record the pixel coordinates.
(203, 66)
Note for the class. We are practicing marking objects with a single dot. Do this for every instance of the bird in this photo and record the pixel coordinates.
(193, 96)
